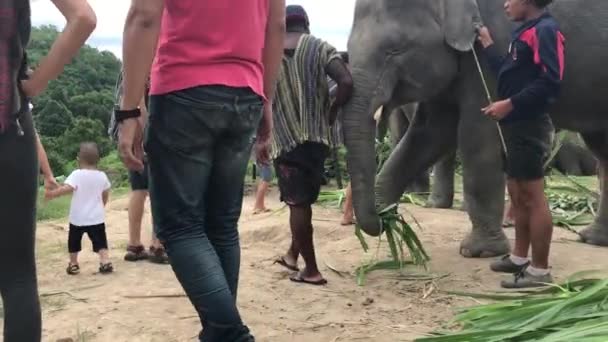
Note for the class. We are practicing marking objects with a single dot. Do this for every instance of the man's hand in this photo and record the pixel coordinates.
(498, 110)
(130, 144)
(484, 36)
(262, 142)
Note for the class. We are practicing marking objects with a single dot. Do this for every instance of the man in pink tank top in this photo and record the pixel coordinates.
(214, 66)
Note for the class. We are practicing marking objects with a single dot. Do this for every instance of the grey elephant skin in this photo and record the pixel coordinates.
(404, 51)
(572, 158)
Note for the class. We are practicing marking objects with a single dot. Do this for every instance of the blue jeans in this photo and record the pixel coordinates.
(198, 144)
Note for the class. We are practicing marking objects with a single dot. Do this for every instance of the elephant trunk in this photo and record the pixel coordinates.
(359, 138)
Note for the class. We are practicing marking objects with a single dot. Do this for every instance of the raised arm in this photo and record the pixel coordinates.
(81, 22)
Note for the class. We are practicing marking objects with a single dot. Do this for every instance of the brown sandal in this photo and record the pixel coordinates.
(136, 253)
(73, 269)
(158, 255)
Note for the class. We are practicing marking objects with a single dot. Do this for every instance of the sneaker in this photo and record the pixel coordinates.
(136, 253)
(106, 268)
(73, 269)
(505, 265)
(524, 280)
(158, 255)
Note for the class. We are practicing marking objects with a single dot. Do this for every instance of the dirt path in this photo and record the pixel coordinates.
(92, 307)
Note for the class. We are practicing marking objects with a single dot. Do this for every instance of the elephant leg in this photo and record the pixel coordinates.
(431, 134)
(597, 233)
(442, 195)
(483, 182)
(399, 123)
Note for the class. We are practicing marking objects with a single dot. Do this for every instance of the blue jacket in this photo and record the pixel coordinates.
(532, 71)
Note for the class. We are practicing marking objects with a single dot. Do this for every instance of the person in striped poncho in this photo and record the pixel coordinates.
(303, 114)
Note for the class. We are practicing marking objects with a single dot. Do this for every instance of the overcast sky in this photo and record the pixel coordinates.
(330, 20)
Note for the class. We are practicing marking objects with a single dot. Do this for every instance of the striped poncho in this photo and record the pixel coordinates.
(302, 102)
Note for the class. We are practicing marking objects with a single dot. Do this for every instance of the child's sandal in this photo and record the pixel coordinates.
(73, 269)
(106, 268)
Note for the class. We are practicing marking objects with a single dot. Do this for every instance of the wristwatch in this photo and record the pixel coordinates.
(122, 115)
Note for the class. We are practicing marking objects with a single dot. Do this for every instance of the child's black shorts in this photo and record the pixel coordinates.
(96, 233)
(528, 147)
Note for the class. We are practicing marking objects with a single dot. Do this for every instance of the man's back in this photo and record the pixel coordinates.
(205, 42)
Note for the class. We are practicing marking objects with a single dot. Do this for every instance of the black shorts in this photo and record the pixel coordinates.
(139, 180)
(300, 173)
(528, 147)
(96, 233)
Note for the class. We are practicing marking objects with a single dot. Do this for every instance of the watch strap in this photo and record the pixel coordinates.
(122, 115)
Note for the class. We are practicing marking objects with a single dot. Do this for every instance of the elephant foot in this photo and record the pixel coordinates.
(479, 244)
(464, 206)
(439, 203)
(596, 234)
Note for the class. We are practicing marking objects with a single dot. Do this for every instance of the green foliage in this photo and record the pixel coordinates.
(574, 311)
(84, 130)
(76, 106)
(54, 119)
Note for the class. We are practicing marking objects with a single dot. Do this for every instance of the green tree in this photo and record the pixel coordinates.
(54, 119)
(95, 105)
(85, 130)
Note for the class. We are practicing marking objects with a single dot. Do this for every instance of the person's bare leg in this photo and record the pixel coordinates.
(260, 206)
(104, 256)
(522, 227)
(508, 219)
(301, 227)
(73, 258)
(540, 222)
(137, 201)
(348, 218)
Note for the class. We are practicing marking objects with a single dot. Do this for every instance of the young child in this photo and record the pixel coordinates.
(91, 190)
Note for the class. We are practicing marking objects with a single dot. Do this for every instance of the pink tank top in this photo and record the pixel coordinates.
(210, 42)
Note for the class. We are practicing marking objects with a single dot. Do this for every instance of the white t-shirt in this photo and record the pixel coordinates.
(87, 202)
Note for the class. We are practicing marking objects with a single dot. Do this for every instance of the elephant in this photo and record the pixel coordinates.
(574, 159)
(404, 51)
(397, 121)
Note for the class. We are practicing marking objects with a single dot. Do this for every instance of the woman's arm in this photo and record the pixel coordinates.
(49, 179)
(81, 22)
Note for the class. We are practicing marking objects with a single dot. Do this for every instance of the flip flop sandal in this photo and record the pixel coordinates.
(297, 278)
(73, 269)
(106, 268)
(281, 261)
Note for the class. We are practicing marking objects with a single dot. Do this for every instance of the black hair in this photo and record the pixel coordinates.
(89, 153)
(542, 3)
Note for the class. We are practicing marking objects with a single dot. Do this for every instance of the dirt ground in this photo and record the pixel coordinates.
(94, 307)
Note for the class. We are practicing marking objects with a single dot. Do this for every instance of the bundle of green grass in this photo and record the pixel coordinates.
(574, 311)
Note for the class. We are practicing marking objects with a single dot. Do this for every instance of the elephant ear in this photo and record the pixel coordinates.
(460, 18)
